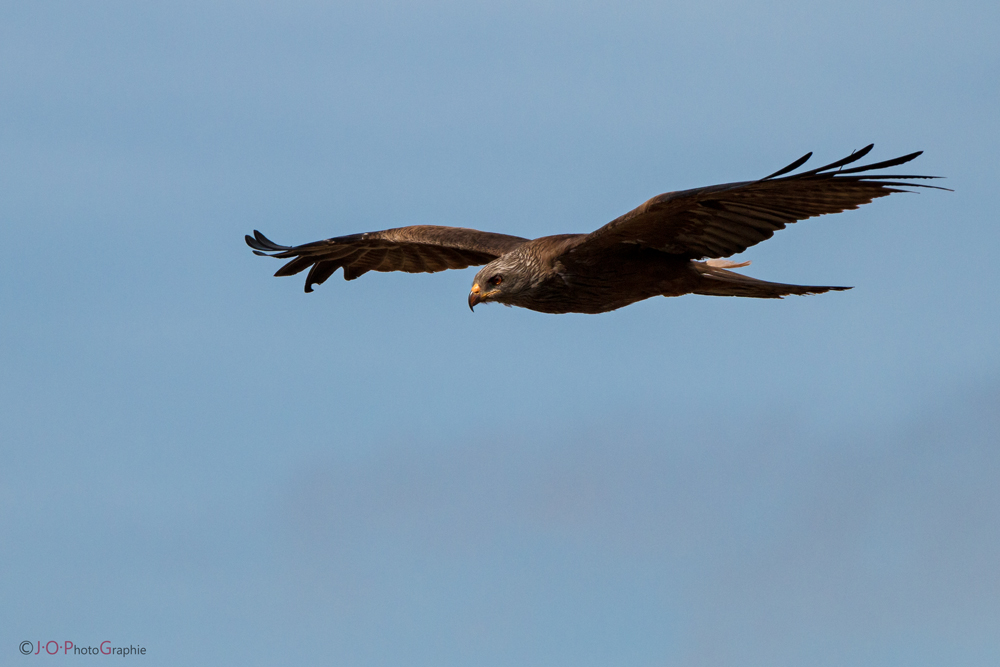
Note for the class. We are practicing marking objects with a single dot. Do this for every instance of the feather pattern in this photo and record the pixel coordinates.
(723, 220)
(416, 249)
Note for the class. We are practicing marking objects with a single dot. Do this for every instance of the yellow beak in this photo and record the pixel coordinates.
(474, 297)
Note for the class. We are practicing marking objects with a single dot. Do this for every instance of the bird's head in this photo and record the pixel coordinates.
(500, 280)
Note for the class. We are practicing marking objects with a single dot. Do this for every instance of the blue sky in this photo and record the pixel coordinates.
(200, 459)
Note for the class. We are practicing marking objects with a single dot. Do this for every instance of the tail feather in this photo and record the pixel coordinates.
(717, 281)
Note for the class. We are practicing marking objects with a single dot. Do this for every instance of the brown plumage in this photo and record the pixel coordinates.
(653, 250)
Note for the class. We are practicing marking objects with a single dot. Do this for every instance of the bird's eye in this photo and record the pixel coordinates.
(496, 280)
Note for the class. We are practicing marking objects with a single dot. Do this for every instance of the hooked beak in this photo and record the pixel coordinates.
(474, 297)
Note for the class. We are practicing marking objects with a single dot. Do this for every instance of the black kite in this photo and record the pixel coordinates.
(654, 250)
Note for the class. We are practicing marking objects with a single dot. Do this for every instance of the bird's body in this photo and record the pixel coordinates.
(653, 250)
(598, 282)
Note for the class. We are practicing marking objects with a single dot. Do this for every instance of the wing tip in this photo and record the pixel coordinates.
(792, 167)
(261, 243)
(836, 169)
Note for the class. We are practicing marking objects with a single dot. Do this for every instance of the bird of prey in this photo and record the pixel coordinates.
(669, 246)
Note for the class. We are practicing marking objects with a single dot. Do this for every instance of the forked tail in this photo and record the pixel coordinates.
(717, 281)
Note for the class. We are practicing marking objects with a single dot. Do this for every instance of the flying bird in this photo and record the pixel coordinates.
(673, 244)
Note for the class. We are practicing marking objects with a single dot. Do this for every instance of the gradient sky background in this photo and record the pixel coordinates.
(200, 459)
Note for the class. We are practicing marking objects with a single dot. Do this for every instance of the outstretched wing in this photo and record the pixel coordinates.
(722, 220)
(417, 249)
